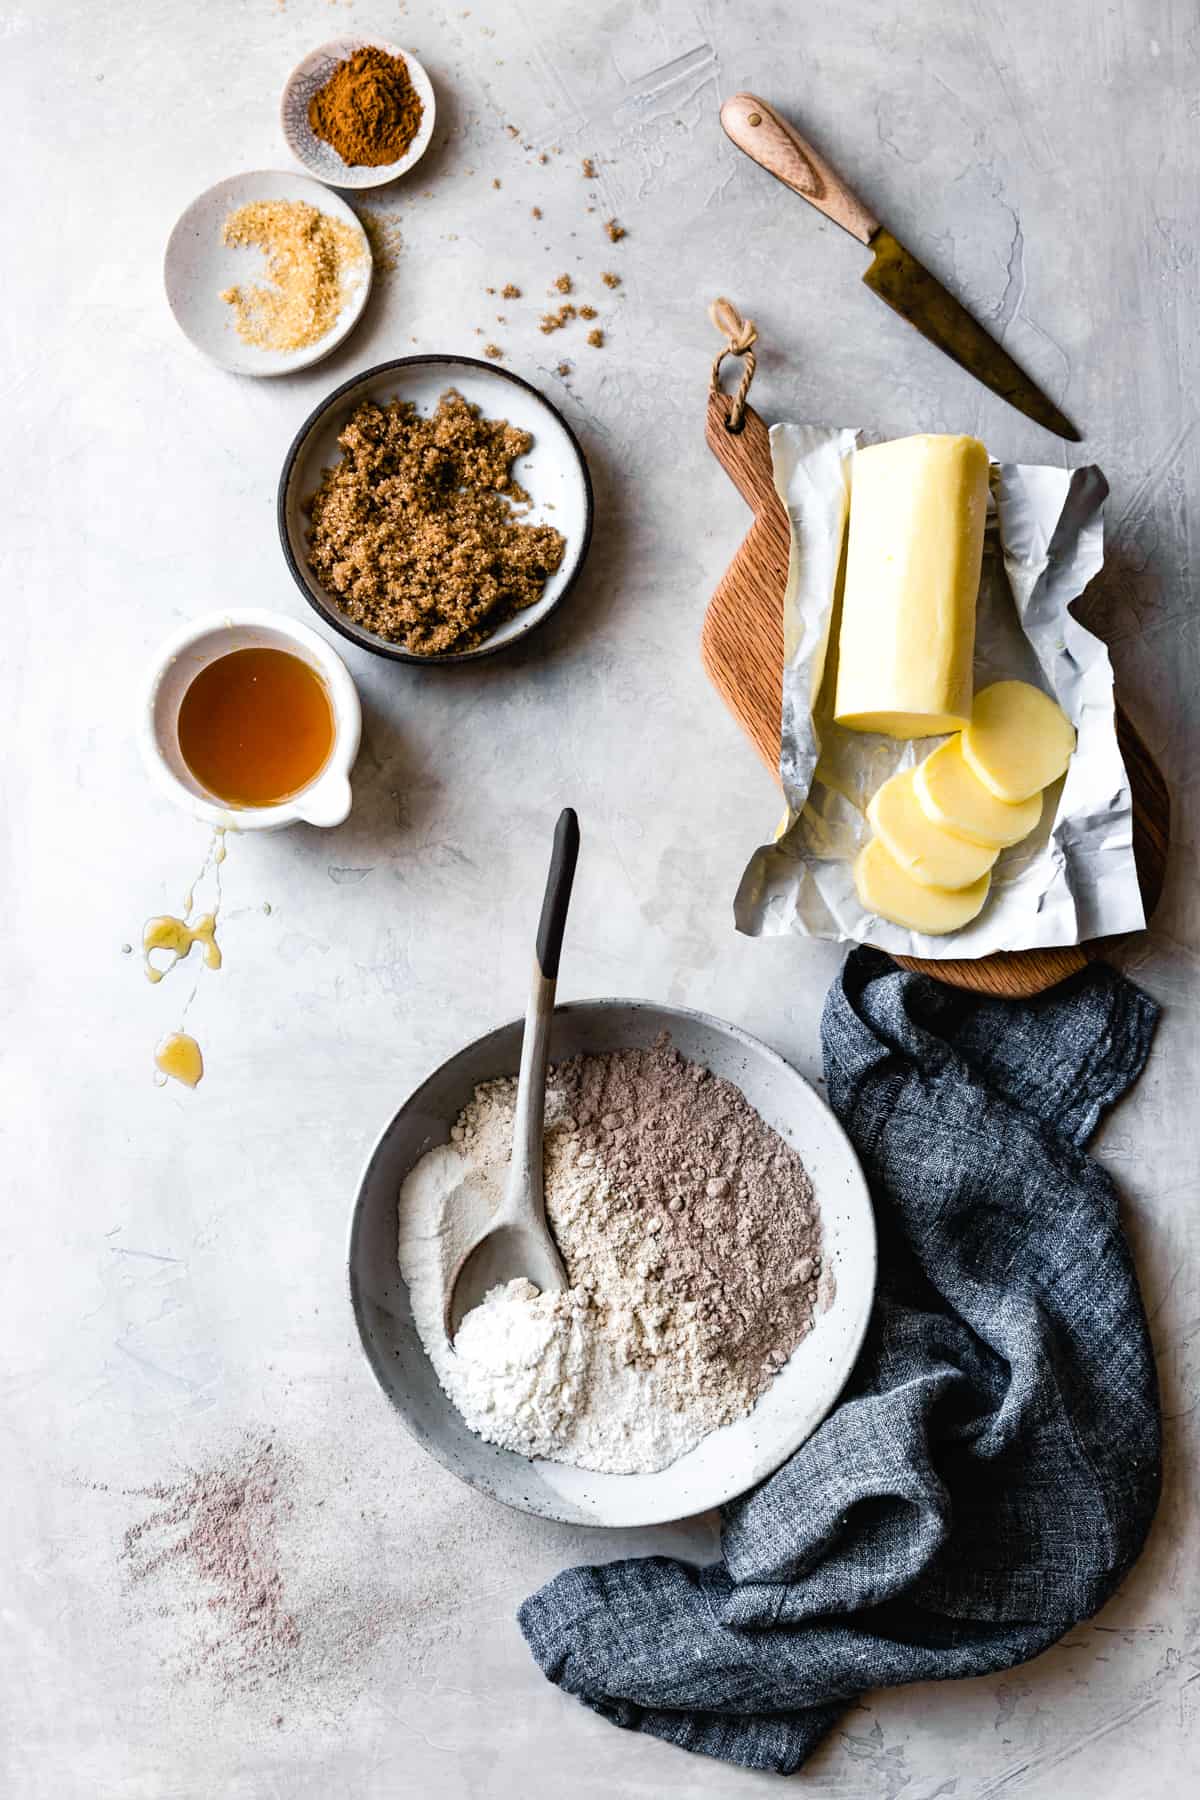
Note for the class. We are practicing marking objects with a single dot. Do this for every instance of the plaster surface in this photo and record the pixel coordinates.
(173, 1270)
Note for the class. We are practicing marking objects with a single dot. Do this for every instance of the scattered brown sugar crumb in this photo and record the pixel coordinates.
(615, 232)
(554, 321)
(512, 131)
(494, 351)
(543, 158)
(609, 279)
(496, 183)
(563, 283)
(595, 339)
(415, 533)
(589, 169)
(308, 256)
(588, 312)
(384, 236)
(488, 290)
(536, 211)
(564, 368)
(510, 291)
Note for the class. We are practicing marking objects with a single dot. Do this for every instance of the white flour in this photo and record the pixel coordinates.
(611, 1375)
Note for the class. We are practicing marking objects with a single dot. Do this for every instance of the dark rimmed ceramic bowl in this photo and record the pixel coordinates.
(732, 1458)
(554, 474)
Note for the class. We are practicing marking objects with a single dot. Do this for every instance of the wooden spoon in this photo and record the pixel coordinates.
(516, 1240)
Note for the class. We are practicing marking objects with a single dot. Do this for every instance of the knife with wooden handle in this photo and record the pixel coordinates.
(895, 274)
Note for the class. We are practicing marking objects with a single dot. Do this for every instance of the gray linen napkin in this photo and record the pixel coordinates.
(993, 1467)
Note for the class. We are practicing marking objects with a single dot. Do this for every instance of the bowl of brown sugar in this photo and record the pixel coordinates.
(435, 509)
(358, 112)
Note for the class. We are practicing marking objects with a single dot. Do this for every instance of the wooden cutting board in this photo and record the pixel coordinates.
(742, 649)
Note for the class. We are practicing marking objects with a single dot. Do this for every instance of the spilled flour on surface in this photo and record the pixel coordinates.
(239, 1559)
(218, 1527)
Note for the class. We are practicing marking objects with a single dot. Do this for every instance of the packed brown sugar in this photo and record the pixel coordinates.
(417, 533)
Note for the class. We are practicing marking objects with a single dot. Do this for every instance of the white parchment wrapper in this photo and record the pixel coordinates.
(1074, 878)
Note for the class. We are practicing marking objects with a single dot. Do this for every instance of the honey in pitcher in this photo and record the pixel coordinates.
(256, 726)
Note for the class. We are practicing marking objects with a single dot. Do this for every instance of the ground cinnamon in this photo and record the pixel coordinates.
(368, 110)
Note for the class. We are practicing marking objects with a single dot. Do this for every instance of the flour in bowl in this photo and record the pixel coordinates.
(691, 1240)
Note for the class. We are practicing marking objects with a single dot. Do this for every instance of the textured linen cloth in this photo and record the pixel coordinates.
(993, 1466)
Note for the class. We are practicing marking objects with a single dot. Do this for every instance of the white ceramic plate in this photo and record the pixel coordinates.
(320, 158)
(554, 475)
(728, 1461)
(199, 266)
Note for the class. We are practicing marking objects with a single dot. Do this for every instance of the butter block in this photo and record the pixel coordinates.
(953, 797)
(889, 891)
(1019, 740)
(933, 856)
(907, 643)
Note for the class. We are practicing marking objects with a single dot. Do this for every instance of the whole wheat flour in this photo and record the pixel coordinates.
(692, 1244)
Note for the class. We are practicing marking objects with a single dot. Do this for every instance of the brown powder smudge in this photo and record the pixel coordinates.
(218, 1526)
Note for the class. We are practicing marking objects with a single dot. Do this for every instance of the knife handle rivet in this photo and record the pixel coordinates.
(754, 119)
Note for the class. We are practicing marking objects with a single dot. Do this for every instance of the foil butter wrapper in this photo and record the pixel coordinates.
(1075, 877)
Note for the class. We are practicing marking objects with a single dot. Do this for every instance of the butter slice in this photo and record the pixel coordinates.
(1019, 740)
(952, 796)
(933, 856)
(885, 889)
(906, 650)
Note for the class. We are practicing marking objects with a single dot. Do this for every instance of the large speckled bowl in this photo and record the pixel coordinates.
(728, 1461)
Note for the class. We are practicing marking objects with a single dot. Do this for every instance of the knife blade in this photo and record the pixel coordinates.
(894, 275)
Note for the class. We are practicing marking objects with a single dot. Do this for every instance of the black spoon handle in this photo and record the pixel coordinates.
(558, 893)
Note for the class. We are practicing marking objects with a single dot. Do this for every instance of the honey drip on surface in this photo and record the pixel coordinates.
(178, 1057)
(177, 937)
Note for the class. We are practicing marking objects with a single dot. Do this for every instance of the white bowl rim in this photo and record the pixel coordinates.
(784, 1447)
(357, 634)
(361, 176)
(343, 693)
(295, 360)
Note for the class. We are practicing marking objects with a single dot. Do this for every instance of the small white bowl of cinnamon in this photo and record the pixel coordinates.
(358, 112)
